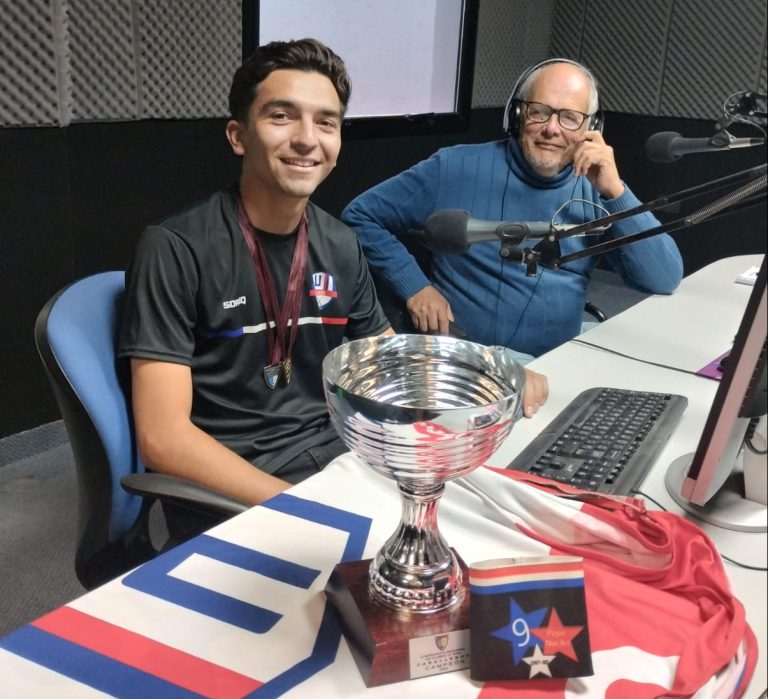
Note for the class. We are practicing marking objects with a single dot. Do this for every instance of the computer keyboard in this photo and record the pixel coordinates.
(604, 440)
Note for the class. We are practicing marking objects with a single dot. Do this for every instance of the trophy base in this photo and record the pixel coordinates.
(390, 645)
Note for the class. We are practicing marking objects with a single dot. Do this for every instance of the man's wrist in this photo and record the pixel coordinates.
(613, 192)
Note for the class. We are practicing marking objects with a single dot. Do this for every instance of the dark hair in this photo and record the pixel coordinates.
(302, 54)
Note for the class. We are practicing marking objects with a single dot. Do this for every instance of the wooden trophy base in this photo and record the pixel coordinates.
(392, 646)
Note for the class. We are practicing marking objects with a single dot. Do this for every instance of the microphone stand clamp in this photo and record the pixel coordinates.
(530, 258)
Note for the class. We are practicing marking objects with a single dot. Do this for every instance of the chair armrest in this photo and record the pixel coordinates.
(595, 312)
(165, 487)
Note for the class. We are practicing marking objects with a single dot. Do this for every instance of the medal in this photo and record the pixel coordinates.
(272, 375)
(281, 322)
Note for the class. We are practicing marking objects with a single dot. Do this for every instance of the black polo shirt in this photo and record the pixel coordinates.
(192, 298)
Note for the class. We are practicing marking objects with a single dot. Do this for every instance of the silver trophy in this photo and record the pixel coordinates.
(422, 410)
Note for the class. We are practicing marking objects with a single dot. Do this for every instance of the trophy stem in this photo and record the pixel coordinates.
(415, 570)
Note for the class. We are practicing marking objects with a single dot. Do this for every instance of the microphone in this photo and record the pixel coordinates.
(453, 231)
(668, 146)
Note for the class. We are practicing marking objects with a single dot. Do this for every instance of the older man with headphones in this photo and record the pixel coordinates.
(554, 166)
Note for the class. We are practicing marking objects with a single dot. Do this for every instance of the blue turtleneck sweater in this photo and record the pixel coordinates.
(493, 300)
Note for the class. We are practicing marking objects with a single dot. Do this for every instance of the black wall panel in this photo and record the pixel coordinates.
(74, 200)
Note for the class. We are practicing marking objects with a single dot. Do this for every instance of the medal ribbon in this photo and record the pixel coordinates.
(278, 320)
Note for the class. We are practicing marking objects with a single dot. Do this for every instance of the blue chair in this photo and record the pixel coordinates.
(76, 335)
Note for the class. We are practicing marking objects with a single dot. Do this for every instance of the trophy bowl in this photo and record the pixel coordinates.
(421, 410)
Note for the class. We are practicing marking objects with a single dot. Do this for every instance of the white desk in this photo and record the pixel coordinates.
(686, 330)
(219, 612)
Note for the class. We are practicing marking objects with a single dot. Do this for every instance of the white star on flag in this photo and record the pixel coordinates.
(539, 662)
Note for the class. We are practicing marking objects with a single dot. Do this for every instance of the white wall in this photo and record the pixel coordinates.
(402, 55)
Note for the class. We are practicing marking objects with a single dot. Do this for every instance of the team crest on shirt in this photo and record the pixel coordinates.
(323, 288)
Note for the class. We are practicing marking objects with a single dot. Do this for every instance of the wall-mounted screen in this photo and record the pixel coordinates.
(410, 62)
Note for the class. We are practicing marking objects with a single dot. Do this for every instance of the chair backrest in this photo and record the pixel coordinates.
(76, 335)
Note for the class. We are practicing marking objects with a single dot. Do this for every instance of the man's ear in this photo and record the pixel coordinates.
(234, 131)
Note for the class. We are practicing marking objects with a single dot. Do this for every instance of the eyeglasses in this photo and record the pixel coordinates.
(567, 118)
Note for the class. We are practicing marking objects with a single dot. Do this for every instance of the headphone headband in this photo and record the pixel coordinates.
(513, 111)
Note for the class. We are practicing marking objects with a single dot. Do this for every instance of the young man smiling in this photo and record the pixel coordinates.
(232, 304)
(555, 163)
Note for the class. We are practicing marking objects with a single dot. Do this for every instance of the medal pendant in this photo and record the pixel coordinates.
(272, 374)
(287, 370)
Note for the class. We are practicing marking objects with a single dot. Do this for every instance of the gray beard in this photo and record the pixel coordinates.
(540, 167)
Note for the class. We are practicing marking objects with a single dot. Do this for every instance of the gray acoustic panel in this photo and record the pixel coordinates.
(624, 43)
(567, 28)
(32, 35)
(512, 34)
(712, 52)
(762, 81)
(86, 60)
(188, 52)
(102, 56)
(131, 59)
(678, 58)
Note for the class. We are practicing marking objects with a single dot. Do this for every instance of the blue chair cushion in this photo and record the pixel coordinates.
(82, 332)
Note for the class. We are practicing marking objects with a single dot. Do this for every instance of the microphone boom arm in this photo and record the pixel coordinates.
(749, 175)
(549, 254)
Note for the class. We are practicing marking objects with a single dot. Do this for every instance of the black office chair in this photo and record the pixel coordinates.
(76, 334)
(592, 310)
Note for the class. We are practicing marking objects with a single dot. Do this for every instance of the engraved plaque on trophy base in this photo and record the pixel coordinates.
(390, 645)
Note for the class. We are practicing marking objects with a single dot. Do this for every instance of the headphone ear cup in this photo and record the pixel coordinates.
(514, 122)
(510, 116)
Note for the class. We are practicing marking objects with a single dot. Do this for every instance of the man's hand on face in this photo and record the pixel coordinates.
(593, 158)
(430, 311)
